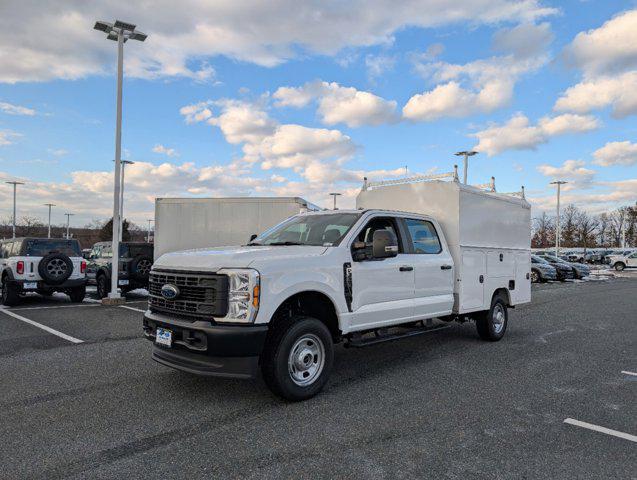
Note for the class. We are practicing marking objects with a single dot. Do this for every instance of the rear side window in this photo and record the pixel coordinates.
(132, 250)
(423, 236)
(42, 247)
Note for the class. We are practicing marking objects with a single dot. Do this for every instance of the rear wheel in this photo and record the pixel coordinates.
(492, 324)
(619, 266)
(103, 288)
(10, 296)
(77, 294)
(535, 276)
(297, 358)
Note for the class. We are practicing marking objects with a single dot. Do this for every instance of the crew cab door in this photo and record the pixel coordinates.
(382, 289)
(433, 268)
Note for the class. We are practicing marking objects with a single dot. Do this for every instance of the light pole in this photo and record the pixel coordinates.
(121, 200)
(68, 224)
(49, 205)
(119, 32)
(335, 195)
(559, 183)
(150, 220)
(15, 185)
(466, 155)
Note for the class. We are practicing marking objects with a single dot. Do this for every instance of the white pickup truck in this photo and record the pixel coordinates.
(409, 253)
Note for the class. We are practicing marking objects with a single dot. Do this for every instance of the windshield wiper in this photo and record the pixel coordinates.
(254, 244)
(286, 243)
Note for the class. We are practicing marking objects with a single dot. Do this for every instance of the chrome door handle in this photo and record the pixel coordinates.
(445, 267)
(406, 268)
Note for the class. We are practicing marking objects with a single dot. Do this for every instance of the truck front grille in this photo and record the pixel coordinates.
(201, 295)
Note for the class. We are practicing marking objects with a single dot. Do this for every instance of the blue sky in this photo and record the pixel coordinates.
(543, 90)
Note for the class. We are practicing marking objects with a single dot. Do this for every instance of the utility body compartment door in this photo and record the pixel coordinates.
(472, 277)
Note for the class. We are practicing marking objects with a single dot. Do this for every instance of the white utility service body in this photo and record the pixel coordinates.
(488, 235)
(408, 254)
(186, 223)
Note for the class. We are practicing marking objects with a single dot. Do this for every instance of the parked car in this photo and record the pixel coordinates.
(42, 265)
(620, 262)
(564, 270)
(579, 270)
(281, 302)
(541, 270)
(135, 262)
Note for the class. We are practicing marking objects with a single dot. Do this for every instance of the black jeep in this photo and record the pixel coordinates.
(135, 261)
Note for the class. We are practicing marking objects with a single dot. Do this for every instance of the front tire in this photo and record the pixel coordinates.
(297, 358)
(492, 324)
(619, 266)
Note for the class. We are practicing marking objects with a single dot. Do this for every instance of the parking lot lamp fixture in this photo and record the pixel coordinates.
(466, 155)
(68, 224)
(49, 205)
(15, 185)
(335, 195)
(119, 32)
(559, 183)
(121, 200)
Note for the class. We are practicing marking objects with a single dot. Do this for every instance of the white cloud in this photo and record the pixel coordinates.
(58, 152)
(170, 152)
(606, 197)
(7, 137)
(616, 153)
(337, 104)
(519, 134)
(11, 109)
(264, 33)
(573, 171)
(619, 92)
(377, 65)
(483, 85)
(609, 48)
(607, 57)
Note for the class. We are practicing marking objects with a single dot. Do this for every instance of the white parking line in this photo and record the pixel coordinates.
(132, 308)
(52, 306)
(625, 372)
(43, 327)
(597, 428)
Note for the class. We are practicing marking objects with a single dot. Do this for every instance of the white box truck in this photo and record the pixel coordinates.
(186, 223)
(410, 254)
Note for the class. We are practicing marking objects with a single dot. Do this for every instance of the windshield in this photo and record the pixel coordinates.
(320, 230)
(133, 250)
(537, 259)
(40, 248)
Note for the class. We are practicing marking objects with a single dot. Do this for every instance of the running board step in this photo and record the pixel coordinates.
(381, 335)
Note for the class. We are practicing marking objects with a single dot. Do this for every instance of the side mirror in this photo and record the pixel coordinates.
(384, 244)
(253, 236)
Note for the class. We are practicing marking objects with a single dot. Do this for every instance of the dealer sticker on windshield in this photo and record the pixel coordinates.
(164, 337)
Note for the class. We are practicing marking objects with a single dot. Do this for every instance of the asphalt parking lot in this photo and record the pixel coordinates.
(444, 405)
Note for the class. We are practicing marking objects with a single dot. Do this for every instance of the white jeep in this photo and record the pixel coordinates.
(41, 265)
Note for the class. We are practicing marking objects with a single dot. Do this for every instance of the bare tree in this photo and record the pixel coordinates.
(544, 231)
(568, 226)
(29, 226)
(617, 219)
(586, 227)
(603, 229)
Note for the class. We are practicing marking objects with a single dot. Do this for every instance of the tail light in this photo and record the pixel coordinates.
(20, 267)
(83, 267)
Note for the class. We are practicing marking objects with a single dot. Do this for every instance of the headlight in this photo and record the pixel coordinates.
(244, 289)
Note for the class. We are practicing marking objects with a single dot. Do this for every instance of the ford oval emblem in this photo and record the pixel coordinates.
(169, 292)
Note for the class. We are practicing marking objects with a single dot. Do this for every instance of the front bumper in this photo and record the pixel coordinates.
(202, 348)
(42, 285)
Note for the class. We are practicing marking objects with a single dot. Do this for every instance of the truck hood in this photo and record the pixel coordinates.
(213, 259)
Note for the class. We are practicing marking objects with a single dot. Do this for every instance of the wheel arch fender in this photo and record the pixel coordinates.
(505, 293)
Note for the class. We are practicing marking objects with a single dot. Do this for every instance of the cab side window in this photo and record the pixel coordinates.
(380, 223)
(424, 237)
